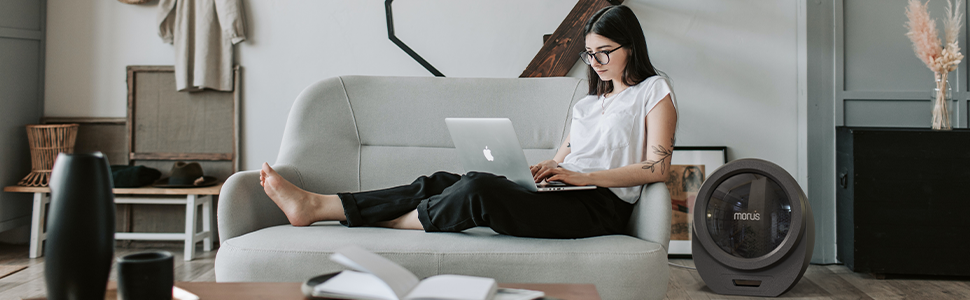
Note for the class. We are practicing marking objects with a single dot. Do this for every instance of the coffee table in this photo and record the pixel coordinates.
(291, 290)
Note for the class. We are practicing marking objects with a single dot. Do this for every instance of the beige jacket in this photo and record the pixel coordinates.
(203, 32)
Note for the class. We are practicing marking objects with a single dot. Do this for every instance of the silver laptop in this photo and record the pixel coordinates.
(490, 145)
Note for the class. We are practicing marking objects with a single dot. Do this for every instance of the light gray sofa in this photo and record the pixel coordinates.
(357, 133)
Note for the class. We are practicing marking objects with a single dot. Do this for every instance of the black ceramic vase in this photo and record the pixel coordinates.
(80, 227)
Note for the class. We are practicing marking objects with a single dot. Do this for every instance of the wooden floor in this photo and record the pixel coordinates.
(819, 282)
(831, 282)
(29, 283)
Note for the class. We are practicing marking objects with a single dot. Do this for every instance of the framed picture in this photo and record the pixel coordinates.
(689, 167)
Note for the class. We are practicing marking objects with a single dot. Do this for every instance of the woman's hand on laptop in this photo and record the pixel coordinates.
(569, 177)
(543, 169)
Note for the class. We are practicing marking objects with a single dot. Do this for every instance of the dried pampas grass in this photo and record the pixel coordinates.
(951, 25)
(941, 58)
(922, 31)
(951, 55)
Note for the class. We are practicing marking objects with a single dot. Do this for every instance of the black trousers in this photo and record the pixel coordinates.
(449, 202)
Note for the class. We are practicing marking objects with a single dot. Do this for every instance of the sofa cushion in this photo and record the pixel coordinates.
(622, 267)
(346, 125)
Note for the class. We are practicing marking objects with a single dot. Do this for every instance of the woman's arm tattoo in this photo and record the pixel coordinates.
(664, 155)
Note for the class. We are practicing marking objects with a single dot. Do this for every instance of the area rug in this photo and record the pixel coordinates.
(8, 270)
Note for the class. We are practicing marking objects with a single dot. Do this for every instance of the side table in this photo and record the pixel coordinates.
(190, 197)
(901, 194)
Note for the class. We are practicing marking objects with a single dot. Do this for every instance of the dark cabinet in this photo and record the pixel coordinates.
(903, 200)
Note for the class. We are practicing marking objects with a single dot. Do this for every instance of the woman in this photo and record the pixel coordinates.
(621, 138)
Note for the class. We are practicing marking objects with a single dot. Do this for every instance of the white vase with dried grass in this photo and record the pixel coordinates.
(940, 58)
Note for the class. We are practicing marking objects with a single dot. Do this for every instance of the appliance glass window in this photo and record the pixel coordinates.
(748, 215)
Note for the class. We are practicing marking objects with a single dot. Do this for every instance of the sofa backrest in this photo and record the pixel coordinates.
(354, 133)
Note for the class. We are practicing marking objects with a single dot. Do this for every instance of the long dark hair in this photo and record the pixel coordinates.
(619, 24)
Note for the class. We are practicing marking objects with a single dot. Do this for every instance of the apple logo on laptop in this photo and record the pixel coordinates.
(488, 154)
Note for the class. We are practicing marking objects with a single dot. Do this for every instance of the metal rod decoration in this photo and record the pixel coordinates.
(400, 44)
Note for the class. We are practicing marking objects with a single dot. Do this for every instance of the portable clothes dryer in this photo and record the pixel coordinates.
(753, 230)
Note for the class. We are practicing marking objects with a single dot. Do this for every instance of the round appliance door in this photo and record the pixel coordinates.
(748, 215)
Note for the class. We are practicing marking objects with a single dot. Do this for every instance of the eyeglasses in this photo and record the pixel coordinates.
(602, 57)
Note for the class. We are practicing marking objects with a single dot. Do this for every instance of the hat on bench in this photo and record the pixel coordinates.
(186, 175)
(133, 176)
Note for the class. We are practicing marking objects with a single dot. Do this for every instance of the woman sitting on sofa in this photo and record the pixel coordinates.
(621, 138)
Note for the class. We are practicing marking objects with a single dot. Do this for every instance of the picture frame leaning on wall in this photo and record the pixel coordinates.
(689, 167)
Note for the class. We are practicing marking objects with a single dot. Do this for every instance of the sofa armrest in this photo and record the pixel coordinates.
(244, 207)
(650, 220)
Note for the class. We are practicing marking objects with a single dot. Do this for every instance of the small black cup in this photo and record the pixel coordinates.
(146, 276)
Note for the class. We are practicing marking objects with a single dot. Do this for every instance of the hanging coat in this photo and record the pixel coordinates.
(203, 33)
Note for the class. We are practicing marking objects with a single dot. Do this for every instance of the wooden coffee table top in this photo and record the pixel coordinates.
(291, 290)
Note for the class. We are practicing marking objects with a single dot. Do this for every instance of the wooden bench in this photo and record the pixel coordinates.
(190, 197)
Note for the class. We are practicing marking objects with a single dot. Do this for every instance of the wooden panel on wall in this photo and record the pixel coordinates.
(889, 113)
(22, 47)
(875, 61)
(21, 75)
(20, 92)
(22, 14)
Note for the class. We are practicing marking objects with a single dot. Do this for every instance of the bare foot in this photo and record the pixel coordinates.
(296, 203)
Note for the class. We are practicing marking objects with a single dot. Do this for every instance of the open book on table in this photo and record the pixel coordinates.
(376, 278)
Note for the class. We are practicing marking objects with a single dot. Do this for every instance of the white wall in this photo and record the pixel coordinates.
(91, 42)
(734, 67)
(733, 63)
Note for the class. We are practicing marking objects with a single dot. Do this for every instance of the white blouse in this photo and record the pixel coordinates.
(608, 133)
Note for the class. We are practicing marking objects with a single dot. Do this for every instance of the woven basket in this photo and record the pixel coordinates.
(46, 141)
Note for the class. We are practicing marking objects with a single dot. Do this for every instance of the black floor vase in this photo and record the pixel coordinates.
(80, 228)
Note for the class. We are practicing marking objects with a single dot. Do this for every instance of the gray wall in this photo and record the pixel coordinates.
(22, 26)
(861, 71)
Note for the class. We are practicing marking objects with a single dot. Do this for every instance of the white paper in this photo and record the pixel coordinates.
(453, 287)
(399, 279)
(356, 285)
(517, 294)
(378, 278)
(343, 260)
